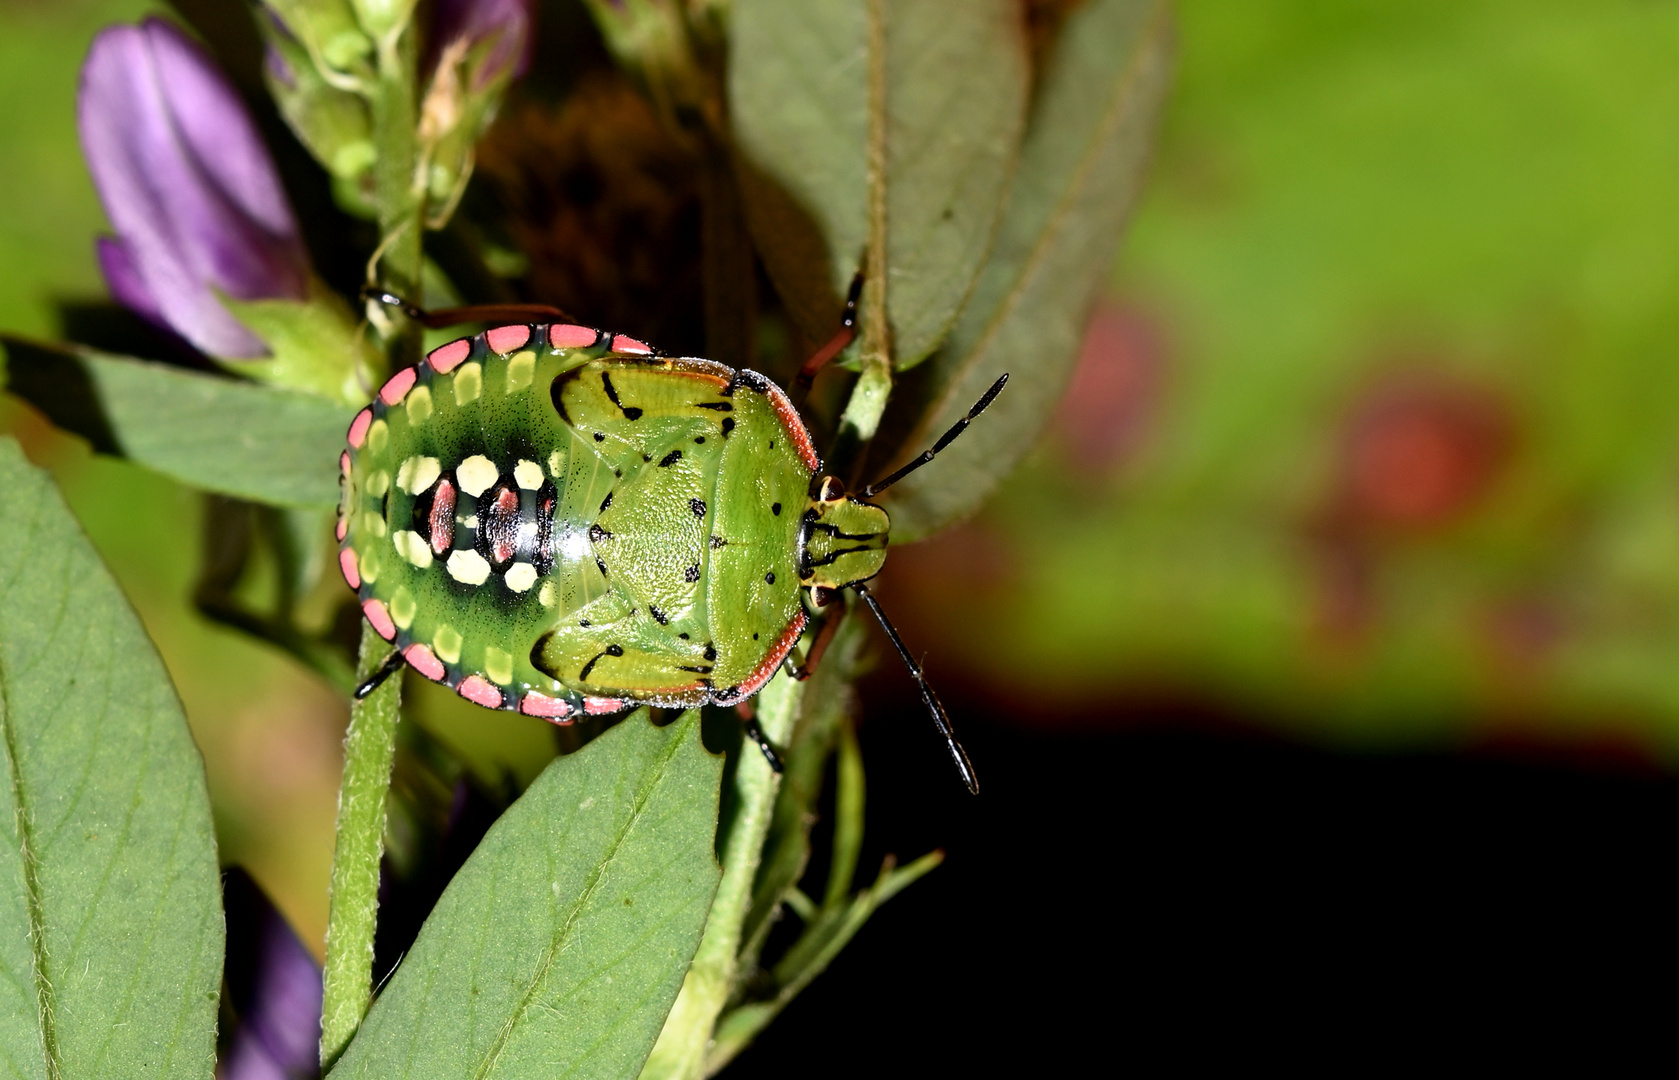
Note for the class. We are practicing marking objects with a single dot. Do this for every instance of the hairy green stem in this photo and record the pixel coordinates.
(369, 746)
(681, 1050)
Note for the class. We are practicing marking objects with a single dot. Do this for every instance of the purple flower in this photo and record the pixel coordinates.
(188, 186)
(279, 1007)
(504, 23)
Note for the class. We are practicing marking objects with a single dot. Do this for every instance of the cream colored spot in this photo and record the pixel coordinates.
(556, 463)
(469, 383)
(418, 474)
(378, 436)
(546, 596)
(402, 605)
(498, 665)
(520, 576)
(373, 524)
(446, 643)
(528, 474)
(419, 404)
(520, 369)
(468, 567)
(470, 521)
(378, 482)
(369, 565)
(413, 547)
(476, 474)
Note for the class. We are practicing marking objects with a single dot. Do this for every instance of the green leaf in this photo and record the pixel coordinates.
(956, 80)
(559, 947)
(259, 443)
(1081, 165)
(110, 899)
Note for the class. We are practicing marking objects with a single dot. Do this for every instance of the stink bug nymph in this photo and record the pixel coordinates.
(561, 521)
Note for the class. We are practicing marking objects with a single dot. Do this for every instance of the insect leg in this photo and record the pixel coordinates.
(393, 664)
(935, 707)
(443, 317)
(817, 647)
(944, 440)
(842, 338)
(756, 734)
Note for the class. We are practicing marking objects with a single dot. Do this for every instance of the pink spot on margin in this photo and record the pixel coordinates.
(343, 527)
(504, 339)
(445, 358)
(347, 563)
(480, 691)
(597, 706)
(423, 660)
(535, 704)
(569, 336)
(620, 343)
(379, 617)
(358, 428)
(397, 386)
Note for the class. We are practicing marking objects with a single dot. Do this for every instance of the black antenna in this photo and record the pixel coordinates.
(944, 440)
(941, 719)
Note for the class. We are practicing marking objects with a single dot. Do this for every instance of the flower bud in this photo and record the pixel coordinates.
(477, 48)
(333, 123)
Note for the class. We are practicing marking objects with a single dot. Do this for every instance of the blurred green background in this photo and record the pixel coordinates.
(1373, 441)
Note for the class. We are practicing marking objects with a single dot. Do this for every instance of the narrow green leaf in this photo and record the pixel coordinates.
(256, 442)
(559, 947)
(110, 901)
(956, 85)
(1082, 162)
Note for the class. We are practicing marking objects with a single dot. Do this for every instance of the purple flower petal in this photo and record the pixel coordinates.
(280, 1027)
(124, 280)
(187, 184)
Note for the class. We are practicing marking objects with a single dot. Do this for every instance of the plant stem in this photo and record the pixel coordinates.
(347, 978)
(874, 385)
(681, 1050)
(821, 942)
(370, 745)
(400, 189)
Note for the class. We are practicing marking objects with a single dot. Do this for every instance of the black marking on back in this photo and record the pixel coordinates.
(670, 459)
(728, 425)
(556, 392)
(658, 616)
(610, 650)
(697, 506)
(720, 406)
(604, 503)
(692, 574)
(630, 411)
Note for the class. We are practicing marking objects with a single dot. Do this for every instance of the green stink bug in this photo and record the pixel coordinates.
(561, 521)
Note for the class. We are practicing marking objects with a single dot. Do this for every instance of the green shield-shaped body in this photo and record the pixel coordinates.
(554, 520)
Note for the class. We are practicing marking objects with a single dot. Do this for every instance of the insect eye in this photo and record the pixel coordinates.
(831, 491)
